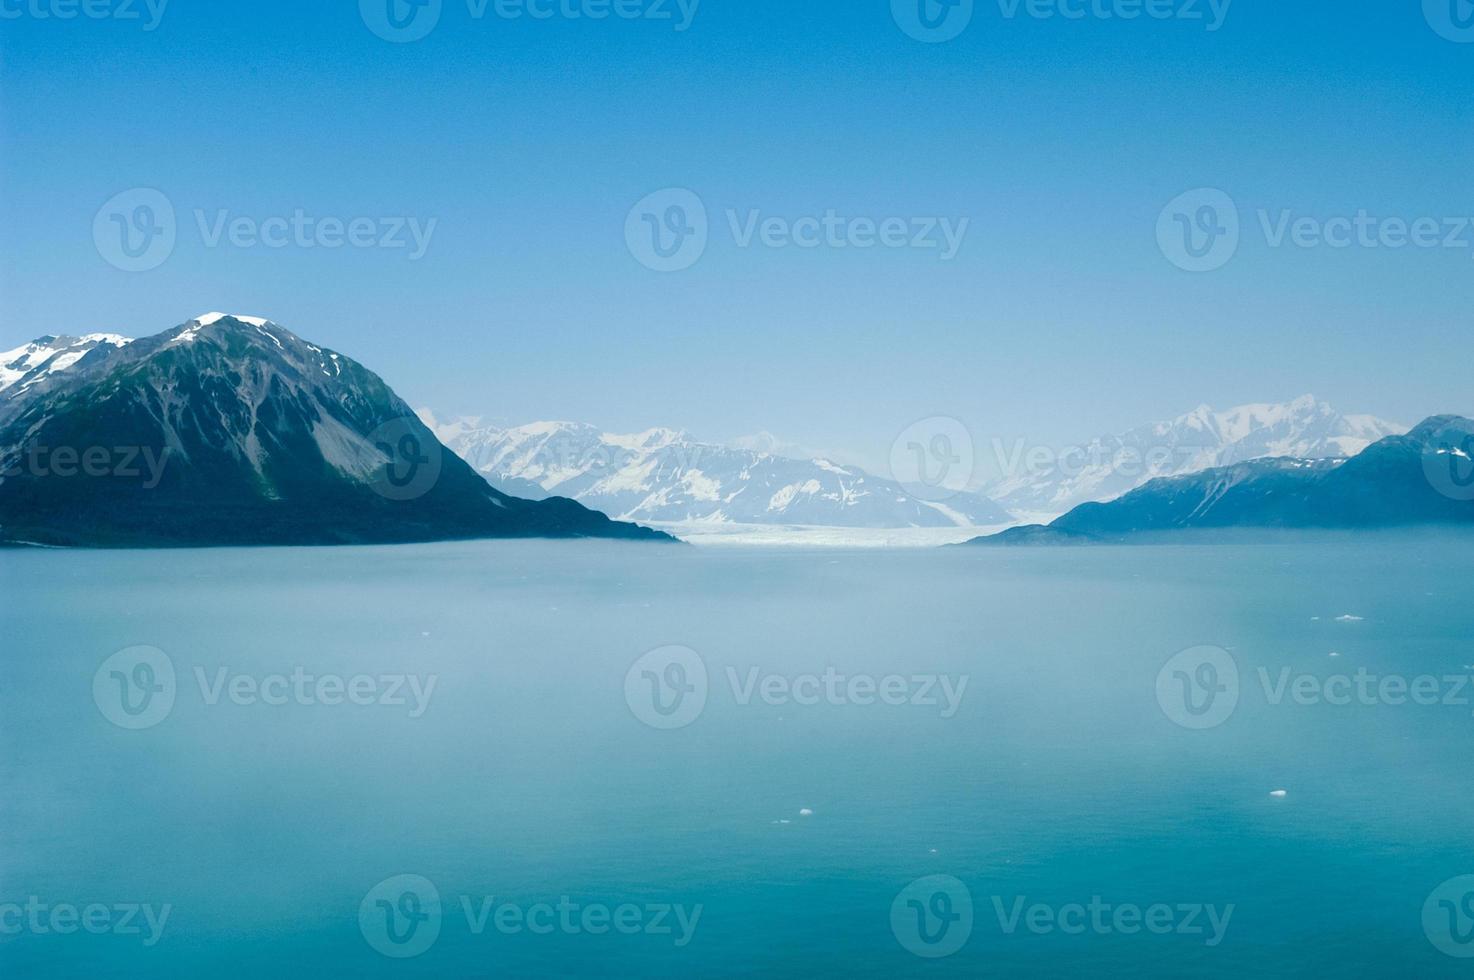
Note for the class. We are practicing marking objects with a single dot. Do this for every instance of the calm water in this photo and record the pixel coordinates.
(528, 777)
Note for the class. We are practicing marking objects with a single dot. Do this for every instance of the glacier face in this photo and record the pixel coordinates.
(663, 475)
(1110, 466)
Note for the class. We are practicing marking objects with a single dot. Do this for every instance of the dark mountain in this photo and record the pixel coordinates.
(1425, 477)
(230, 430)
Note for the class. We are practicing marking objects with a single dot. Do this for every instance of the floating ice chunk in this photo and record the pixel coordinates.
(1279, 794)
(1348, 618)
(806, 812)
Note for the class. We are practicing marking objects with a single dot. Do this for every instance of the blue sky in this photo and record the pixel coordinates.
(528, 141)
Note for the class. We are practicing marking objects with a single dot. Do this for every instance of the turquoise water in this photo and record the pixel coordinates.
(531, 775)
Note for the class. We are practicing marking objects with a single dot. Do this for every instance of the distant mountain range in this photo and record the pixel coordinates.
(1110, 466)
(664, 476)
(1423, 478)
(231, 430)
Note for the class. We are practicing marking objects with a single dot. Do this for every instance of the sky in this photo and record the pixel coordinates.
(1088, 165)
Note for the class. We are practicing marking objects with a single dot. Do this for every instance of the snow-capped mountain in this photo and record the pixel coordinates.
(664, 476)
(1111, 466)
(23, 366)
(1395, 482)
(232, 430)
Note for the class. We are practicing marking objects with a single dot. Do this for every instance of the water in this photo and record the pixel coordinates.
(529, 777)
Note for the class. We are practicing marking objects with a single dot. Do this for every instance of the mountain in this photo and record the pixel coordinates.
(663, 475)
(1110, 466)
(22, 367)
(1423, 478)
(230, 430)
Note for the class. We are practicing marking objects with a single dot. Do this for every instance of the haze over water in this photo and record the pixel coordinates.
(531, 773)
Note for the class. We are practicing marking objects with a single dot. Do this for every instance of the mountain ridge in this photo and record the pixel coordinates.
(663, 475)
(1425, 477)
(268, 439)
(1110, 466)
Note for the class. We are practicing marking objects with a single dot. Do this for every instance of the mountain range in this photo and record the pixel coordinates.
(1423, 478)
(662, 475)
(231, 430)
(1110, 466)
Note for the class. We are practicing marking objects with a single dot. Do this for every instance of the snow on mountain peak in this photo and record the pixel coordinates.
(1110, 466)
(662, 474)
(23, 366)
(210, 319)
